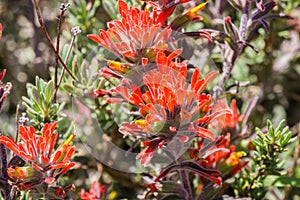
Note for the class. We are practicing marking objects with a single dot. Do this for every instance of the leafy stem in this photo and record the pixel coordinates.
(241, 35)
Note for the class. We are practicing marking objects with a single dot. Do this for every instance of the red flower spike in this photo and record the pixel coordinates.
(168, 97)
(142, 27)
(36, 149)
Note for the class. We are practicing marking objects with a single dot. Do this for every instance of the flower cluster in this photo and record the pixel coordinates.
(45, 163)
(170, 106)
(169, 99)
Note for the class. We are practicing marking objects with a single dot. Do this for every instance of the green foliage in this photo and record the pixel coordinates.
(270, 145)
(39, 103)
(266, 161)
(83, 15)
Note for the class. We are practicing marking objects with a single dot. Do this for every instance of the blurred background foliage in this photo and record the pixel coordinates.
(273, 74)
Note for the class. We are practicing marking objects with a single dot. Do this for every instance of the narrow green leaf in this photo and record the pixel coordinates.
(270, 129)
(281, 181)
(280, 126)
(49, 91)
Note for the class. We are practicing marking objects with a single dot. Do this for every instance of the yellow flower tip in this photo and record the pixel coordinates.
(193, 11)
(69, 140)
(117, 66)
(241, 154)
(113, 195)
(140, 122)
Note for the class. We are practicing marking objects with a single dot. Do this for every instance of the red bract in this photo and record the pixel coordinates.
(138, 34)
(230, 119)
(223, 157)
(96, 192)
(38, 150)
(170, 106)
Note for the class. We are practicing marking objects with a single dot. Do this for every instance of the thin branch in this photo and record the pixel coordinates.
(17, 122)
(63, 9)
(41, 21)
(75, 30)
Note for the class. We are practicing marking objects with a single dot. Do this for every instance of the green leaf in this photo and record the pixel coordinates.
(256, 143)
(285, 139)
(69, 88)
(110, 8)
(270, 129)
(49, 91)
(281, 181)
(280, 126)
(38, 84)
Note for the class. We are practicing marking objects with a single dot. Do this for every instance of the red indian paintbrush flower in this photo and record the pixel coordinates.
(138, 34)
(170, 106)
(221, 156)
(231, 119)
(96, 192)
(38, 150)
